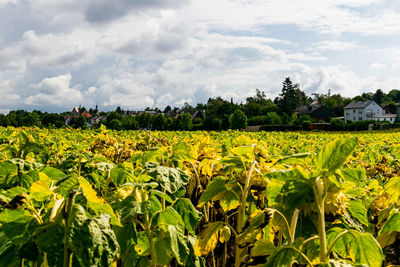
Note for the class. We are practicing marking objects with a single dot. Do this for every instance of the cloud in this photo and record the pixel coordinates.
(377, 66)
(55, 92)
(333, 45)
(8, 97)
(56, 54)
(103, 10)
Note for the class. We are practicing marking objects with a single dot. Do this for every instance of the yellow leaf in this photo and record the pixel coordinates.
(90, 193)
(40, 190)
(208, 239)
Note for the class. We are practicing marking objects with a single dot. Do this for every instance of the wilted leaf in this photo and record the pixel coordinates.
(208, 239)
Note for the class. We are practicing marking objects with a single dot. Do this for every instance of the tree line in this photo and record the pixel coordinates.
(216, 114)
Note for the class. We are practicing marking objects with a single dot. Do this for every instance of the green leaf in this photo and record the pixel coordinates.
(361, 248)
(246, 153)
(182, 151)
(50, 239)
(169, 216)
(162, 195)
(286, 175)
(189, 214)
(263, 247)
(53, 173)
(354, 175)
(163, 250)
(91, 239)
(170, 179)
(334, 263)
(217, 189)
(142, 246)
(66, 184)
(7, 170)
(357, 210)
(8, 252)
(253, 228)
(178, 243)
(293, 159)
(390, 230)
(130, 208)
(120, 173)
(282, 257)
(127, 238)
(334, 154)
(29, 178)
(15, 216)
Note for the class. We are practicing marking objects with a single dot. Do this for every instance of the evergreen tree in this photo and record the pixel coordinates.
(291, 97)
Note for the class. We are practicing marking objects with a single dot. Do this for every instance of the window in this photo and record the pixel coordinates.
(354, 111)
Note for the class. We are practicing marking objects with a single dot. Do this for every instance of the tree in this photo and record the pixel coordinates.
(115, 124)
(167, 109)
(212, 123)
(78, 122)
(159, 122)
(53, 119)
(185, 121)
(260, 98)
(291, 97)
(129, 123)
(238, 120)
(114, 115)
(220, 109)
(378, 96)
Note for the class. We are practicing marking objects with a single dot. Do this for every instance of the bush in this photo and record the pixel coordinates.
(280, 128)
(212, 123)
(198, 127)
(238, 120)
(273, 118)
(257, 120)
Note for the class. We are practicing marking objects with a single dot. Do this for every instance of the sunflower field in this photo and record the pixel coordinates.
(147, 198)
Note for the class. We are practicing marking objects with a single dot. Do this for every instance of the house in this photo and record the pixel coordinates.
(95, 120)
(315, 111)
(199, 114)
(366, 110)
(75, 112)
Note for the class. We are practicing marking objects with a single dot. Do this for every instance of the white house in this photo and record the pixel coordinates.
(366, 110)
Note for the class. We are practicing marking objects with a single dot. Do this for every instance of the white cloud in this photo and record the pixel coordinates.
(377, 66)
(333, 45)
(8, 97)
(55, 92)
(146, 53)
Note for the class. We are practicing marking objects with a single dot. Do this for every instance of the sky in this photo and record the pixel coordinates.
(152, 53)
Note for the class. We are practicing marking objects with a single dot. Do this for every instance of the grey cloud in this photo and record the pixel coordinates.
(104, 10)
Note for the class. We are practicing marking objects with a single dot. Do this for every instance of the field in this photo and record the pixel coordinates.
(140, 198)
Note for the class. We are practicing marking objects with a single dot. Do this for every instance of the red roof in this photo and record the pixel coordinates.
(86, 114)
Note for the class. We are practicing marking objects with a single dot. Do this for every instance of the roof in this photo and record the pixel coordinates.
(307, 109)
(359, 104)
(389, 115)
(86, 114)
